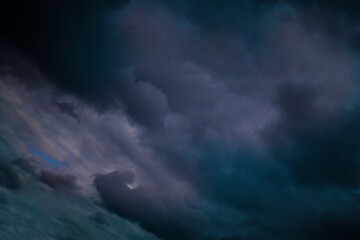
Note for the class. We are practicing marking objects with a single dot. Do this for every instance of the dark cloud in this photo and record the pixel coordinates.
(71, 42)
(56, 180)
(29, 165)
(343, 225)
(307, 137)
(80, 48)
(204, 11)
(67, 108)
(152, 210)
(3, 199)
(9, 177)
(59, 216)
(319, 147)
(83, 50)
(214, 156)
(297, 103)
(16, 173)
(99, 218)
(338, 19)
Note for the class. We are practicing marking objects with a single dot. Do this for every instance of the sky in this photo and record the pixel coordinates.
(179, 120)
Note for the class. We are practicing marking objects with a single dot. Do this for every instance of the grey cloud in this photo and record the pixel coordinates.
(29, 165)
(243, 105)
(58, 214)
(152, 210)
(56, 180)
(9, 177)
(318, 146)
(68, 108)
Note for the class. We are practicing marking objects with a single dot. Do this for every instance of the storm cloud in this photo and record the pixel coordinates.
(206, 120)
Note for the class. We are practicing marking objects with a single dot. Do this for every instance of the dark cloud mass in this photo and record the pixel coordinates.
(69, 41)
(67, 108)
(8, 176)
(55, 180)
(307, 138)
(158, 213)
(179, 120)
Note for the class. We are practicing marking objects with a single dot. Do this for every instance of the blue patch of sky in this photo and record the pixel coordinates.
(53, 162)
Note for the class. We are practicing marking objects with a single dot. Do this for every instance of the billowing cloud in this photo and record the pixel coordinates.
(56, 180)
(159, 211)
(204, 120)
(58, 214)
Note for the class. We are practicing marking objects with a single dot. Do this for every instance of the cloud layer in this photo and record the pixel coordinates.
(204, 120)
